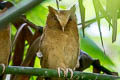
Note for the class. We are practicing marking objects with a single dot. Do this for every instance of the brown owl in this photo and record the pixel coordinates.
(60, 41)
(4, 46)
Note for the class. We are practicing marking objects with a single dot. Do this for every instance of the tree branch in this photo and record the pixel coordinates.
(53, 73)
(16, 11)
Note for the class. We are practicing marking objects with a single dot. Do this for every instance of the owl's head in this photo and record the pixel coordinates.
(61, 17)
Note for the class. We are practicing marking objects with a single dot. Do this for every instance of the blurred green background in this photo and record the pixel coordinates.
(91, 43)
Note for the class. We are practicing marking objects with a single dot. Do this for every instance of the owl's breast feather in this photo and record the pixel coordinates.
(60, 47)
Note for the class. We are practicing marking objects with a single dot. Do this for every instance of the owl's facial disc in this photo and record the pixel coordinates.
(63, 19)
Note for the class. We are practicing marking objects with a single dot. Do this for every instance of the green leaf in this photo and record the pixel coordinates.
(112, 11)
(82, 13)
(114, 22)
(109, 14)
(101, 9)
(89, 22)
(97, 11)
(94, 51)
(38, 15)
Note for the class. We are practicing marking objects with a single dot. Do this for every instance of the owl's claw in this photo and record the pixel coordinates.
(71, 71)
(65, 72)
(59, 69)
(3, 66)
(58, 72)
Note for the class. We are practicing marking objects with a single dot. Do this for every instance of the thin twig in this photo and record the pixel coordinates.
(30, 24)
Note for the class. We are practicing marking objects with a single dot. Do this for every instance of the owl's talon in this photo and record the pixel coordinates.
(3, 66)
(65, 72)
(58, 69)
(71, 71)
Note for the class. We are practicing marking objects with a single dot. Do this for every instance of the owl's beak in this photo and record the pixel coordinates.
(63, 24)
(63, 28)
(63, 20)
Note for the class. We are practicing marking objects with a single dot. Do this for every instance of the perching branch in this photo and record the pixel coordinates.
(53, 73)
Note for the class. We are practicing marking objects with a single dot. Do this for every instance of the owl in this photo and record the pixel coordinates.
(60, 41)
(5, 43)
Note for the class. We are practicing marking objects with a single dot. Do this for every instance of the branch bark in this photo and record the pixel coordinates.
(53, 73)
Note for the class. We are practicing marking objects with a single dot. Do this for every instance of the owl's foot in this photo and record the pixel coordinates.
(65, 71)
(3, 66)
(58, 70)
(71, 71)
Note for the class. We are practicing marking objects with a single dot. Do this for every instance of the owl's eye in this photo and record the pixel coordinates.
(54, 18)
(70, 19)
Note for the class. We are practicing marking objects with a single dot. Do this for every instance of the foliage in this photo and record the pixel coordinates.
(103, 10)
(87, 44)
